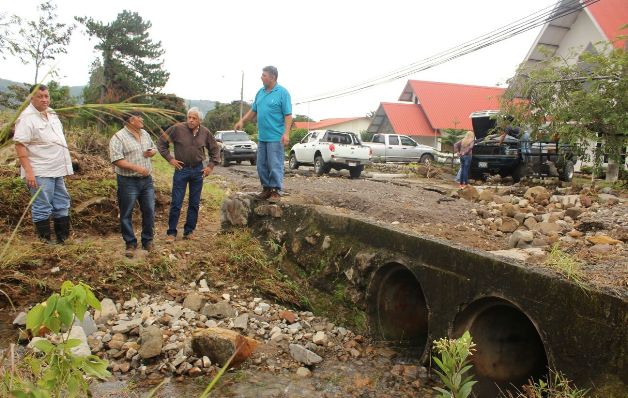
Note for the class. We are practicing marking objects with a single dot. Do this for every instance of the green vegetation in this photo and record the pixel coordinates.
(454, 365)
(58, 372)
(557, 387)
(568, 266)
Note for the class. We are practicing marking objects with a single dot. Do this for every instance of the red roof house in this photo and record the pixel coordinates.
(432, 107)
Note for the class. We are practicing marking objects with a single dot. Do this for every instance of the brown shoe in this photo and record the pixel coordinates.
(170, 238)
(265, 194)
(274, 197)
(130, 250)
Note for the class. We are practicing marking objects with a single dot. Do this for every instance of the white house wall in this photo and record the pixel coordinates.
(582, 32)
(354, 126)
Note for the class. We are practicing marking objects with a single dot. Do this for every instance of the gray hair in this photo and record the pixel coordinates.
(197, 111)
(271, 70)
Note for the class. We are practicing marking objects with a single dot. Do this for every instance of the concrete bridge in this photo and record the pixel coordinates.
(416, 289)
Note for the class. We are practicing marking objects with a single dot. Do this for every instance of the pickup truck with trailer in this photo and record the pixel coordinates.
(399, 148)
(515, 156)
(326, 150)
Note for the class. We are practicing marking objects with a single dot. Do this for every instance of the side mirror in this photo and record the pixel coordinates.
(219, 139)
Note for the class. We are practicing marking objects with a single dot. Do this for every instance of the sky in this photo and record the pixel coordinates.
(318, 46)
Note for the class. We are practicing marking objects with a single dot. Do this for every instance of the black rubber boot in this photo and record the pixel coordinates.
(43, 230)
(62, 228)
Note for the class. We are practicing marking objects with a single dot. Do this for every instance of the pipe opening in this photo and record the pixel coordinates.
(397, 309)
(509, 347)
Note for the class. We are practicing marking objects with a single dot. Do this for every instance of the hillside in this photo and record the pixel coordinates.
(76, 91)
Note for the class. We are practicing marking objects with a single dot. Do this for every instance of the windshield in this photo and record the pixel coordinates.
(235, 137)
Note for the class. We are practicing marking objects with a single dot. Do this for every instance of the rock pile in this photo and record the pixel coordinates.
(538, 218)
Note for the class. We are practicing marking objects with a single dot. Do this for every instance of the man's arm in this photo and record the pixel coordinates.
(125, 164)
(285, 138)
(214, 154)
(163, 144)
(22, 154)
(249, 115)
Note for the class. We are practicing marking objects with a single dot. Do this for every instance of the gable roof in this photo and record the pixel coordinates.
(607, 17)
(325, 123)
(448, 105)
(610, 16)
(408, 119)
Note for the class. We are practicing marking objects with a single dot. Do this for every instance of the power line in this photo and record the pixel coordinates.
(547, 14)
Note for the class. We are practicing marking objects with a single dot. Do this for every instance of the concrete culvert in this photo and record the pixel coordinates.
(397, 309)
(509, 348)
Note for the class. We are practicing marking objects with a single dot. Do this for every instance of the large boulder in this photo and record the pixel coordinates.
(152, 341)
(235, 210)
(537, 194)
(107, 311)
(219, 345)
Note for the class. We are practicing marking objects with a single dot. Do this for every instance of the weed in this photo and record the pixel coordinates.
(558, 386)
(566, 265)
(454, 364)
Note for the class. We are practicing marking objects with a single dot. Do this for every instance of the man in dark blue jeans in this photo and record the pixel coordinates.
(130, 150)
(273, 109)
(190, 140)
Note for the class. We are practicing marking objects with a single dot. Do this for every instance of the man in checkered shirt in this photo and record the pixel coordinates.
(130, 150)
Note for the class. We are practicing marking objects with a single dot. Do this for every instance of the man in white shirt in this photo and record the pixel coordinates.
(45, 160)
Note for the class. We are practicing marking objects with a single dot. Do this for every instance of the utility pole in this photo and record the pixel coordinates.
(241, 95)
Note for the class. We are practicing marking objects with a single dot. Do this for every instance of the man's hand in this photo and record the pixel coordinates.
(149, 153)
(285, 139)
(177, 164)
(208, 170)
(143, 171)
(238, 125)
(31, 182)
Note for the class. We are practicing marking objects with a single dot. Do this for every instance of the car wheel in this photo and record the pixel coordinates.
(519, 172)
(355, 172)
(566, 173)
(238, 162)
(426, 158)
(292, 162)
(253, 162)
(320, 167)
(223, 160)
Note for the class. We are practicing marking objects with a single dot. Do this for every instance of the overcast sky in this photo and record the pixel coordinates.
(318, 46)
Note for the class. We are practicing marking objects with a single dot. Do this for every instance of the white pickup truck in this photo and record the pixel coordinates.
(330, 149)
(399, 148)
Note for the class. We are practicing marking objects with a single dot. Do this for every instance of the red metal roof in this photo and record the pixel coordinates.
(611, 15)
(448, 105)
(408, 119)
(324, 123)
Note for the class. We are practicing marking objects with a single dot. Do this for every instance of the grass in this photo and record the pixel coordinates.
(566, 265)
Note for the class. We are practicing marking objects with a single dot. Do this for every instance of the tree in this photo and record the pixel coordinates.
(224, 116)
(44, 38)
(60, 95)
(449, 138)
(581, 102)
(302, 118)
(131, 62)
(14, 95)
(8, 42)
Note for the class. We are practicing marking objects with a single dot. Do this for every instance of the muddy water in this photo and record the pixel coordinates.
(331, 378)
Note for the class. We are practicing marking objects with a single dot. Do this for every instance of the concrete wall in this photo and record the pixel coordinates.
(583, 333)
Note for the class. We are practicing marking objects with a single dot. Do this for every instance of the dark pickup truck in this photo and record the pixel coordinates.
(514, 156)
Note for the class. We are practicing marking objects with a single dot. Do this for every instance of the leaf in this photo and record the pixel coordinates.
(94, 366)
(79, 309)
(44, 346)
(66, 314)
(35, 317)
(71, 343)
(92, 300)
(66, 287)
(51, 304)
(53, 323)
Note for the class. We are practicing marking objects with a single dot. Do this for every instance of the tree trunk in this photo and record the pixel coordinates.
(612, 173)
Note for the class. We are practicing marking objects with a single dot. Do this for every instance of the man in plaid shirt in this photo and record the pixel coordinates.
(130, 150)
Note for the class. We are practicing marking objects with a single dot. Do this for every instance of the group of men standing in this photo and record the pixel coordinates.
(45, 161)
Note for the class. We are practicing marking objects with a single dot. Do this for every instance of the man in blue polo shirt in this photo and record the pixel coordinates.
(274, 117)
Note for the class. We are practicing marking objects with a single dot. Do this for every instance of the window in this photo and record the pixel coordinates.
(393, 140)
(407, 141)
(378, 138)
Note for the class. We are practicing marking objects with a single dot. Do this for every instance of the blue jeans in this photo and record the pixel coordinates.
(465, 165)
(180, 180)
(270, 157)
(131, 190)
(53, 200)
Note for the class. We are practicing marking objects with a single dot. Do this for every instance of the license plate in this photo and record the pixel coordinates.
(352, 163)
(482, 165)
